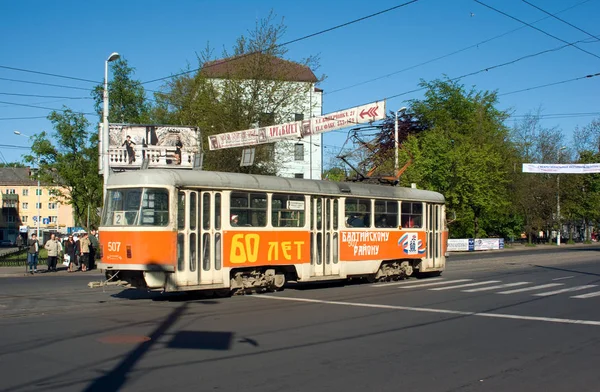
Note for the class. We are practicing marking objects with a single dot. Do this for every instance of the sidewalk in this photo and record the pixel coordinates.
(13, 272)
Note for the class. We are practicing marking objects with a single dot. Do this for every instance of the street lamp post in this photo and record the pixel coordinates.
(105, 161)
(558, 198)
(396, 144)
(38, 191)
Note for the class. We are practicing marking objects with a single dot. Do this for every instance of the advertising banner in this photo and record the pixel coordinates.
(461, 245)
(579, 168)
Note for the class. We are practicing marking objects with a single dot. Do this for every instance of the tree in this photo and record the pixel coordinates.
(252, 85)
(12, 164)
(127, 101)
(68, 159)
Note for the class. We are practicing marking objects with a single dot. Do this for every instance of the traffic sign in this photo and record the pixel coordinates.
(35, 218)
(363, 114)
(45, 221)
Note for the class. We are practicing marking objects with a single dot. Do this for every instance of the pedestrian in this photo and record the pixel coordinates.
(84, 251)
(71, 251)
(94, 248)
(54, 250)
(20, 242)
(33, 253)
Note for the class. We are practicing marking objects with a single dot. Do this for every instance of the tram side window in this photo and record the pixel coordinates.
(287, 210)
(358, 212)
(250, 208)
(412, 214)
(386, 213)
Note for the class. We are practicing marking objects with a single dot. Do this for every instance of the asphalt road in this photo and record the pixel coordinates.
(492, 322)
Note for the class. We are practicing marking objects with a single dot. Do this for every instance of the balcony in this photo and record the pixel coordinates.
(157, 156)
(10, 197)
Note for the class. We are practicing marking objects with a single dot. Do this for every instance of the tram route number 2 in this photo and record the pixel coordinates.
(114, 246)
(246, 248)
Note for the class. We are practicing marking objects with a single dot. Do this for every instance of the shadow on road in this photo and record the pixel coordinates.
(564, 270)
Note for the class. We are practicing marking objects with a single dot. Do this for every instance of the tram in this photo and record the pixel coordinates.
(176, 230)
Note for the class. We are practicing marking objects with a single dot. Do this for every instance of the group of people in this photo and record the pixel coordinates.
(79, 253)
(128, 144)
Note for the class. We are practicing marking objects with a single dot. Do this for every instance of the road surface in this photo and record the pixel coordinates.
(513, 321)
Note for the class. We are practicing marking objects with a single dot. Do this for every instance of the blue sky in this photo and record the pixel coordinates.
(159, 38)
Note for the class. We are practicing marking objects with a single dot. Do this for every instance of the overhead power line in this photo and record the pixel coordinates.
(49, 74)
(43, 96)
(286, 43)
(43, 107)
(551, 84)
(449, 54)
(538, 29)
(559, 19)
(46, 84)
(21, 118)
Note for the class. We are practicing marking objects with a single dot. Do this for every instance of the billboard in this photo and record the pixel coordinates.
(297, 129)
(577, 168)
(160, 145)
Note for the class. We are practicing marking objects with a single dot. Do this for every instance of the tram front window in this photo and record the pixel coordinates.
(136, 207)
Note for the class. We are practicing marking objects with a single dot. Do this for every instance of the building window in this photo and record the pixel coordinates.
(52, 206)
(24, 219)
(299, 152)
(38, 206)
(10, 191)
(25, 192)
(299, 175)
(10, 219)
(25, 206)
(38, 192)
(53, 219)
(298, 116)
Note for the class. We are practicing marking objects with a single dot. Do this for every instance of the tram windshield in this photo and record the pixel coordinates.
(136, 207)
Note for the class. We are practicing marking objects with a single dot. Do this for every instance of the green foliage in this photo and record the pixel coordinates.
(253, 93)
(12, 164)
(127, 102)
(334, 174)
(68, 158)
(464, 155)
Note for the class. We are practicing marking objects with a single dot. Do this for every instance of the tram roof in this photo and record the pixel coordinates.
(254, 182)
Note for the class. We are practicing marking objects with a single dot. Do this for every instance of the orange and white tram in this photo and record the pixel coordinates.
(177, 230)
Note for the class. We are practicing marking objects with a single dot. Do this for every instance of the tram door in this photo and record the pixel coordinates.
(434, 235)
(198, 238)
(324, 240)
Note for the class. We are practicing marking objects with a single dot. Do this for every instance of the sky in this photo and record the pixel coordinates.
(382, 57)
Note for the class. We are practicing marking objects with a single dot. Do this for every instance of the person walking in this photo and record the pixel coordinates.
(84, 249)
(72, 250)
(54, 249)
(33, 253)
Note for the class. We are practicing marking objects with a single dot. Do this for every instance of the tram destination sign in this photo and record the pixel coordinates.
(295, 130)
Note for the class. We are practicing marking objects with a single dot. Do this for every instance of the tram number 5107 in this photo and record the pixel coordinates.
(114, 246)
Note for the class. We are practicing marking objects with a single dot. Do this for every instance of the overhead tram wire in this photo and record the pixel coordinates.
(287, 42)
(43, 96)
(551, 84)
(45, 108)
(559, 19)
(538, 29)
(451, 53)
(22, 118)
(49, 74)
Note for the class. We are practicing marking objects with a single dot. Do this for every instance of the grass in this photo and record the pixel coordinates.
(19, 259)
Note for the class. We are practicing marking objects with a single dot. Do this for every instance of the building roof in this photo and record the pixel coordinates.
(16, 176)
(258, 66)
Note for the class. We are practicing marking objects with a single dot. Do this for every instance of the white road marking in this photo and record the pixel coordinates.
(498, 286)
(576, 288)
(465, 285)
(432, 310)
(542, 286)
(435, 283)
(404, 282)
(588, 295)
(564, 277)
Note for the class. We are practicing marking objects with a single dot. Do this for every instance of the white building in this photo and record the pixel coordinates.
(301, 158)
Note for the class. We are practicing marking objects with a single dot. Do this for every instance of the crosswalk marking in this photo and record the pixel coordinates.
(576, 288)
(435, 283)
(588, 295)
(405, 282)
(542, 286)
(465, 285)
(498, 286)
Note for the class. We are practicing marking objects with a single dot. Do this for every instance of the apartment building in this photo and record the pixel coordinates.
(25, 204)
